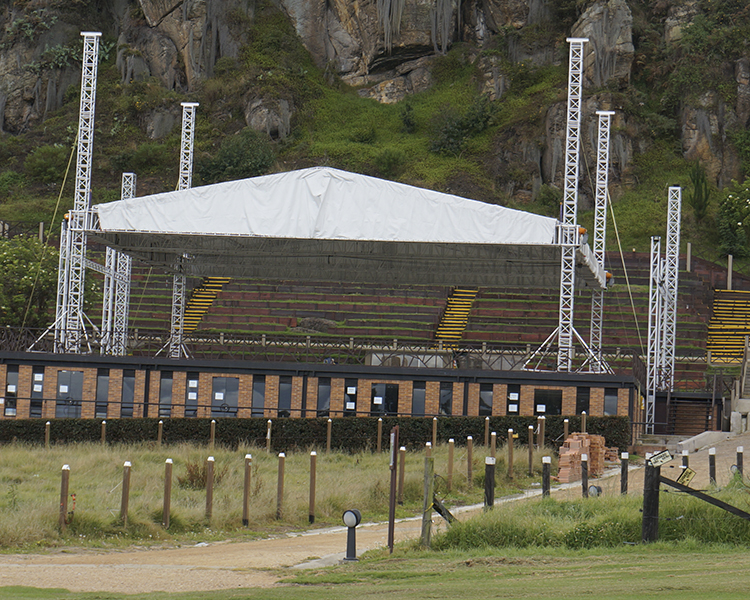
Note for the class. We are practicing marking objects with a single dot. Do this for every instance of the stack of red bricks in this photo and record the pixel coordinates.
(570, 456)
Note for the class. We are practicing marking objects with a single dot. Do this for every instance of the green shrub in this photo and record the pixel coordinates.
(147, 159)
(389, 162)
(47, 164)
(246, 154)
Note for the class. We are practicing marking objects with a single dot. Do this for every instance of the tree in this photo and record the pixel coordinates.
(733, 219)
(28, 284)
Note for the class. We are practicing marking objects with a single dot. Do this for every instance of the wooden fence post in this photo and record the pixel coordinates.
(209, 487)
(429, 479)
(566, 429)
(542, 430)
(64, 486)
(125, 494)
(451, 445)
(329, 426)
(510, 454)
(583, 422)
(313, 462)
(712, 466)
(434, 432)
(401, 473)
(470, 461)
(740, 460)
(585, 475)
(625, 459)
(213, 434)
(246, 490)
(46, 434)
(379, 444)
(486, 431)
(493, 444)
(167, 493)
(531, 450)
(160, 432)
(103, 435)
(428, 449)
(685, 459)
(546, 466)
(268, 436)
(280, 486)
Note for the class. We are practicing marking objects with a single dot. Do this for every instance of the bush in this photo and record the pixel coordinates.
(146, 159)
(246, 154)
(47, 163)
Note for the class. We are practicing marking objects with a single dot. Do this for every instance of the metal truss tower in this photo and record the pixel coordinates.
(116, 292)
(600, 236)
(569, 229)
(671, 280)
(662, 308)
(654, 357)
(69, 317)
(176, 348)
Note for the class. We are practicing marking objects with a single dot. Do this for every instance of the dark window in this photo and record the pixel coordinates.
(610, 402)
(69, 394)
(191, 395)
(324, 396)
(583, 396)
(514, 399)
(36, 405)
(102, 393)
(259, 395)
(165, 394)
(547, 402)
(225, 396)
(384, 399)
(11, 390)
(128, 393)
(446, 398)
(285, 396)
(485, 399)
(350, 397)
(418, 399)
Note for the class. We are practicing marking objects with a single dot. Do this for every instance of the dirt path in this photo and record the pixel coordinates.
(246, 564)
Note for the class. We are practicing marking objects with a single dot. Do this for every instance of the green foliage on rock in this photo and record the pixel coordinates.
(733, 220)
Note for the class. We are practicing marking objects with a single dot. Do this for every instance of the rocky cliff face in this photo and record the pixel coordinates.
(388, 56)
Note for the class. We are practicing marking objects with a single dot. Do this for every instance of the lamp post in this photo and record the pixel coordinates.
(352, 518)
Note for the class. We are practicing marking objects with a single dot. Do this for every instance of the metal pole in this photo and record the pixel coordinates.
(394, 484)
(685, 459)
(546, 466)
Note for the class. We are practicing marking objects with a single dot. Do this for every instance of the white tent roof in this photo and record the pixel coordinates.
(324, 203)
(323, 223)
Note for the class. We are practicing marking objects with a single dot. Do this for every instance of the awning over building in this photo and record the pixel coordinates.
(327, 224)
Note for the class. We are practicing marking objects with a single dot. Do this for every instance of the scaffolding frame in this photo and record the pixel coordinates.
(671, 281)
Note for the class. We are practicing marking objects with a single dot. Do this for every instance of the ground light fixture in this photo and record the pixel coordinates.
(352, 518)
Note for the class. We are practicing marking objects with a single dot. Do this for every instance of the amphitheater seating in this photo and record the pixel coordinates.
(200, 301)
(729, 325)
(455, 316)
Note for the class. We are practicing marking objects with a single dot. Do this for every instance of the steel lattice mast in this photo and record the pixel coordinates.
(600, 235)
(569, 228)
(654, 358)
(185, 182)
(671, 280)
(69, 318)
(119, 283)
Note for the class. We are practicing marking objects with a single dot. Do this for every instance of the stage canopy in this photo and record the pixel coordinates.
(332, 225)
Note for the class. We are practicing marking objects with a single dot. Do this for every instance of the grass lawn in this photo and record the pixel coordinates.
(685, 570)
